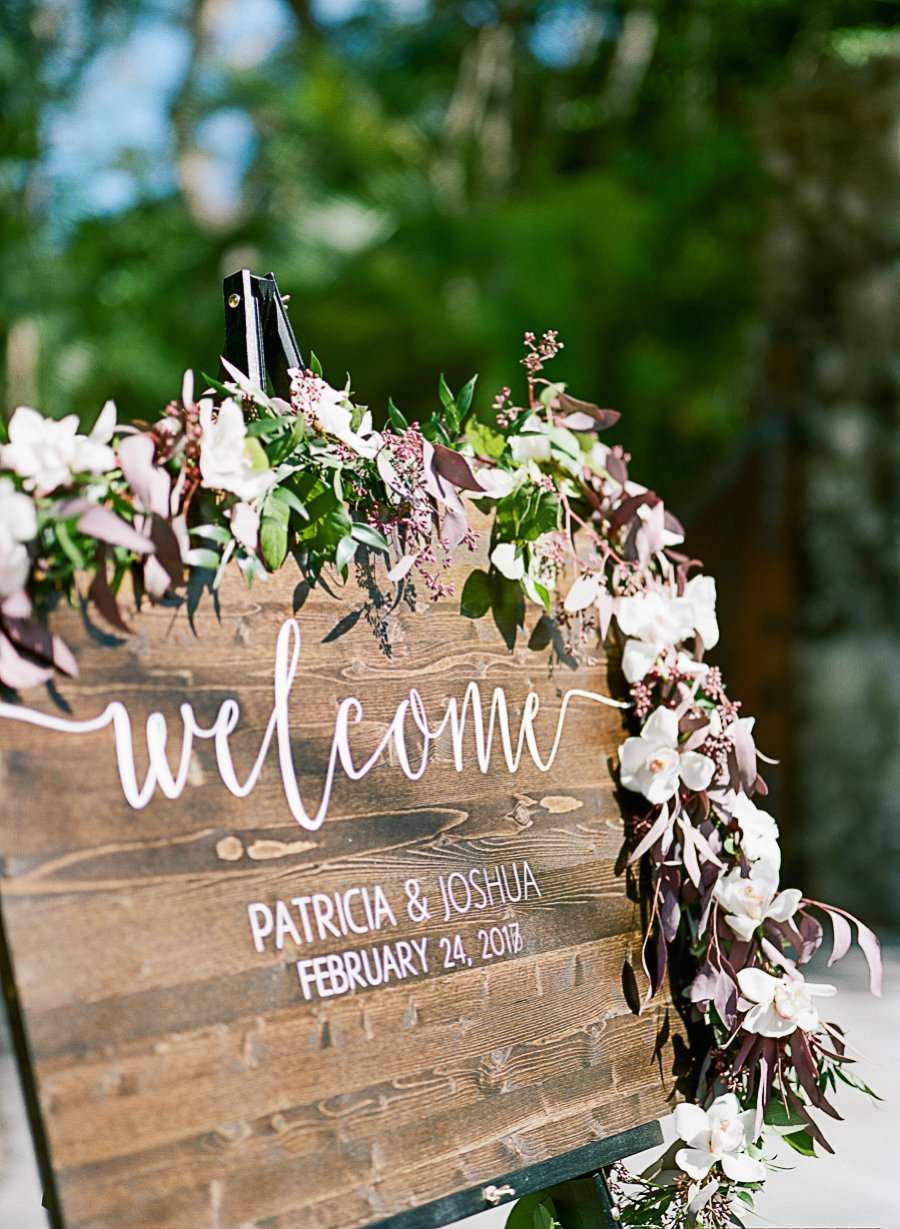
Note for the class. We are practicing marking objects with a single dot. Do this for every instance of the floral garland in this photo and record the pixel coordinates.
(238, 476)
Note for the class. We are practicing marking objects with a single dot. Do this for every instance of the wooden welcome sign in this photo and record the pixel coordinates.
(312, 917)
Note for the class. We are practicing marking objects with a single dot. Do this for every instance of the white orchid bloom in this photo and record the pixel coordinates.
(720, 1135)
(700, 598)
(653, 765)
(49, 452)
(781, 1004)
(748, 900)
(18, 525)
(229, 460)
(495, 483)
(653, 622)
(759, 831)
(334, 414)
(532, 443)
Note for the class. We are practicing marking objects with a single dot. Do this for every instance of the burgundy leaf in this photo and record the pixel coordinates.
(455, 469)
(18, 672)
(31, 636)
(616, 468)
(725, 1000)
(105, 600)
(600, 419)
(104, 525)
(871, 949)
(628, 508)
(64, 658)
(168, 552)
(16, 606)
(151, 484)
(842, 937)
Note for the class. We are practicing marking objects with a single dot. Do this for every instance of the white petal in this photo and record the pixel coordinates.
(743, 927)
(696, 770)
(785, 904)
(695, 1163)
(506, 559)
(748, 1122)
(766, 1021)
(691, 1123)
(661, 728)
(740, 1167)
(820, 988)
(105, 425)
(583, 592)
(638, 659)
(757, 986)
(658, 787)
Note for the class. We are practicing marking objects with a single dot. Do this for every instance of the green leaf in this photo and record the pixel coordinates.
(487, 443)
(507, 607)
(202, 557)
(369, 536)
(257, 453)
(314, 365)
(213, 533)
(344, 552)
(526, 514)
(534, 1211)
(464, 397)
(276, 508)
(266, 427)
(217, 385)
(445, 394)
(286, 496)
(273, 540)
(397, 419)
(475, 601)
(802, 1142)
(70, 546)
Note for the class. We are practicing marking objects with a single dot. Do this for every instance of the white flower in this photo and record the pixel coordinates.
(495, 483)
(781, 1004)
(229, 461)
(721, 1133)
(532, 443)
(759, 831)
(750, 899)
(18, 525)
(700, 598)
(653, 621)
(652, 764)
(48, 452)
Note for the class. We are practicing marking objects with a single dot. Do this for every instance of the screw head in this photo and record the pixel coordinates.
(234, 300)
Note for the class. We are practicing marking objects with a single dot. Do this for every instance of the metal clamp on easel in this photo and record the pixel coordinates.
(259, 339)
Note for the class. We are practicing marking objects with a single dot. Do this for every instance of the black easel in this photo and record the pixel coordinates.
(259, 340)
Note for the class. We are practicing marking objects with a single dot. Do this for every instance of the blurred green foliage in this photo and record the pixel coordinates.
(427, 182)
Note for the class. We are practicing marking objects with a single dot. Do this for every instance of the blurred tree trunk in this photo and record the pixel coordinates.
(831, 278)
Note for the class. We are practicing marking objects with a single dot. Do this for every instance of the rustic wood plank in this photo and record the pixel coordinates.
(184, 1079)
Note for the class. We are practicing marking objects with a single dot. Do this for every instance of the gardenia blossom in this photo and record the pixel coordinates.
(229, 461)
(720, 1134)
(18, 525)
(748, 900)
(781, 1004)
(49, 452)
(653, 765)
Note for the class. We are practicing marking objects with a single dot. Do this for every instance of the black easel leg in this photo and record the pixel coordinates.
(584, 1203)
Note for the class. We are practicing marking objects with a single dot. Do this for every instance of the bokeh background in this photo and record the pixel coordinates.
(702, 196)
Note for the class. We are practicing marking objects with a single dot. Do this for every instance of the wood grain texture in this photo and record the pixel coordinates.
(183, 1079)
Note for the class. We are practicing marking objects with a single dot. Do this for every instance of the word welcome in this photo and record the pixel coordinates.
(411, 711)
